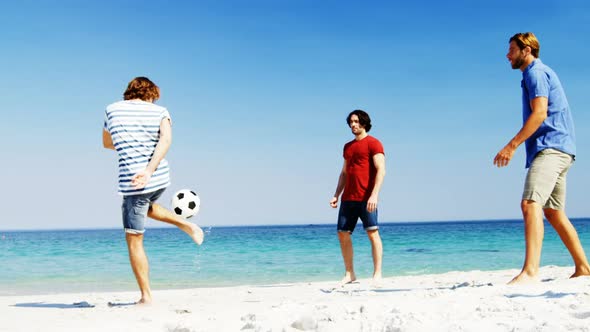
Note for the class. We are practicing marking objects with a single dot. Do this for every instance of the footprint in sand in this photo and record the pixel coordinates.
(581, 315)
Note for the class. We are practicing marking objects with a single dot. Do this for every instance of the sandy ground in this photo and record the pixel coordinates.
(455, 301)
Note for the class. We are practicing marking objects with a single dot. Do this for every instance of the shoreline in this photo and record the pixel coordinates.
(451, 301)
(132, 285)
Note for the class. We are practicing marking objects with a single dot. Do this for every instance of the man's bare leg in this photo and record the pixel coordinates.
(347, 255)
(140, 266)
(377, 250)
(533, 235)
(160, 213)
(570, 238)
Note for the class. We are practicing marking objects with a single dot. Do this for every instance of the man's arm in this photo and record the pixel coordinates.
(339, 187)
(107, 140)
(379, 162)
(538, 115)
(141, 179)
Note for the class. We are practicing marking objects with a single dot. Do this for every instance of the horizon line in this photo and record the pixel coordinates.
(281, 225)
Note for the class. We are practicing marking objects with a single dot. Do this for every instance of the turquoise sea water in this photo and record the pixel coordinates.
(35, 262)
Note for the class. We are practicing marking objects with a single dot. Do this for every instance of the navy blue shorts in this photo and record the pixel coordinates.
(135, 209)
(349, 214)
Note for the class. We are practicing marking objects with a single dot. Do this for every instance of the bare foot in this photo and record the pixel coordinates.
(523, 278)
(581, 272)
(348, 278)
(196, 234)
(144, 301)
(377, 280)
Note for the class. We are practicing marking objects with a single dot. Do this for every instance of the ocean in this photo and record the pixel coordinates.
(45, 262)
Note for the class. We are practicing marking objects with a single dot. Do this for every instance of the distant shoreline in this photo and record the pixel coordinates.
(428, 222)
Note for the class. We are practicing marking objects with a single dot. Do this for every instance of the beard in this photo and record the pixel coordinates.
(519, 62)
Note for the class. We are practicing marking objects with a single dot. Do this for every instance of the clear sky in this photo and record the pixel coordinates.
(259, 92)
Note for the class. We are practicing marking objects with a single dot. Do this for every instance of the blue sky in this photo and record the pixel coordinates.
(259, 92)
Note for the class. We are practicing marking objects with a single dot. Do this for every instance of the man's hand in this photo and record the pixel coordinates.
(504, 156)
(372, 204)
(334, 202)
(141, 179)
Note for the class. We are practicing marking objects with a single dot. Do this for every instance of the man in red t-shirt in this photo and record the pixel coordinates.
(361, 178)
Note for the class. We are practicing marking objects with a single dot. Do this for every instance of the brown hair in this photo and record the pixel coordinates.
(524, 39)
(142, 88)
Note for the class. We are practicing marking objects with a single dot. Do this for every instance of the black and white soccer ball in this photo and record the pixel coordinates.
(186, 203)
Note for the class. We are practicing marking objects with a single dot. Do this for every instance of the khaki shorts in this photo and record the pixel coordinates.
(545, 181)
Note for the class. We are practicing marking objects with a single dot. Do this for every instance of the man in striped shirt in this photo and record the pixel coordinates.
(141, 133)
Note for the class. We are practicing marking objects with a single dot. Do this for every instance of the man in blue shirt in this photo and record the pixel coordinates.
(548, 133)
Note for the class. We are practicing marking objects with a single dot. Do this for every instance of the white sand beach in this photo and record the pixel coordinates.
(455, 301)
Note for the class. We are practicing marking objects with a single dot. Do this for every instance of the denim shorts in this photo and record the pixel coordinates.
(349, 214)
(546, 179)
(135, 209)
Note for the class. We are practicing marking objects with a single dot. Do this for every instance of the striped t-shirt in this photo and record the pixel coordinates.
(134, 126)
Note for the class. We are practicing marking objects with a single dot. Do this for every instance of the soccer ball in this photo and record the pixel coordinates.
(186, 203)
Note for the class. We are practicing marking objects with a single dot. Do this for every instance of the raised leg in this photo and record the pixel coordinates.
(160, 213)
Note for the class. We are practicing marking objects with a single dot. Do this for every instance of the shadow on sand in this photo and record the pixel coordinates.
(121, 304)
(76, 305)
(549, 295)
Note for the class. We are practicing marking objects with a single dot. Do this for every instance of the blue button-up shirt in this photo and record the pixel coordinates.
(557, 131)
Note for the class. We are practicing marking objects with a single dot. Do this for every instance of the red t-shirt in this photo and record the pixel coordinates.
(360, 169)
